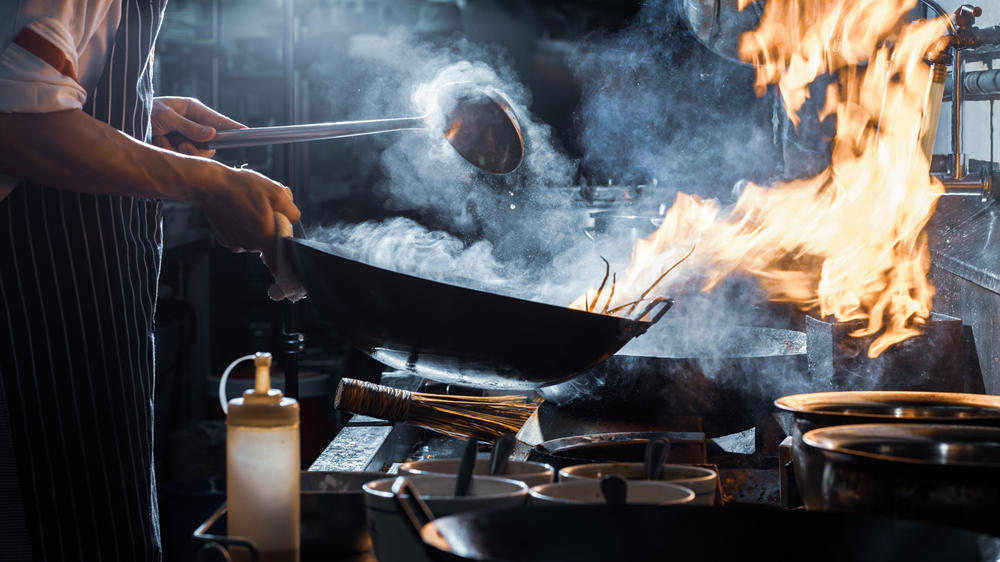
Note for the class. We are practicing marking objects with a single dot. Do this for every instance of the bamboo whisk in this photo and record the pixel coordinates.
(476, 417)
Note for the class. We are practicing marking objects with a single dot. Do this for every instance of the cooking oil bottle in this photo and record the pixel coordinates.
(262, 467)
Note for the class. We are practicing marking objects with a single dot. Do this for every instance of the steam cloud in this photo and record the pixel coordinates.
(655, 104)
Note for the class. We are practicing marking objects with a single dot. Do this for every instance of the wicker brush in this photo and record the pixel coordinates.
(467, 417)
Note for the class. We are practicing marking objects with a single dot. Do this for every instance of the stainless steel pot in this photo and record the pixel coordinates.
(940, 473)
(806, 412)
(333, 512)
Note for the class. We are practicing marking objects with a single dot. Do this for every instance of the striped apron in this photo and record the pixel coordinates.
(78, 278)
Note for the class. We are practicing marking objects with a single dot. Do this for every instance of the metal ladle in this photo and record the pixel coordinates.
(478, 122)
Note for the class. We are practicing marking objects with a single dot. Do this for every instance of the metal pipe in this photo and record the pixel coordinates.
(958, 167)
(977, 83)
(216, 51)
(970, 186)
(288, 72)
(289, 322)
(988, 36)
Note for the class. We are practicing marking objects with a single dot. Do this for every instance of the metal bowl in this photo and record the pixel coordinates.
(822, 409)
(940, 473)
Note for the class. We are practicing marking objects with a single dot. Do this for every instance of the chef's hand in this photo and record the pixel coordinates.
(190, 118)
(240, 206)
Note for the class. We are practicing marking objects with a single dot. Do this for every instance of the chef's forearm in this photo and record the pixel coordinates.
(72, 150)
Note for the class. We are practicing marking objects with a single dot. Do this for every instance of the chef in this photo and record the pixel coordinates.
(80, 250)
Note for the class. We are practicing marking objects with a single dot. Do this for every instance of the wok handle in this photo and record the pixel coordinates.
(412, 505)
(260, 136)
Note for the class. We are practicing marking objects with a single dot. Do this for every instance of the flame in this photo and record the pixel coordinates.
(850, 241)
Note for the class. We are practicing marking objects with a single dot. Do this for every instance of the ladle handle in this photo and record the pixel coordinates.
(502, 448)
(656, 454)
(465, 468)
(614, 489)
(260, 136)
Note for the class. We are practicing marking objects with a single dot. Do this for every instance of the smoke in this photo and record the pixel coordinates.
(654, 104)
(657, 104)
(399, 74)
(401, 245)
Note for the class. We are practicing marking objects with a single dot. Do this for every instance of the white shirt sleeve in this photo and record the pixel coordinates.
(81, 31)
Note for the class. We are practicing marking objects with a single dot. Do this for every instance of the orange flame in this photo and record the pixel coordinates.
(848, 242)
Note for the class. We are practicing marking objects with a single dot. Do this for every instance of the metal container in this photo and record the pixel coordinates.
(392, 532)
(939, 473)
(333, 512)
(701, 481)
(931, 361)
(531, 473)
(583, 492)
(806, 412)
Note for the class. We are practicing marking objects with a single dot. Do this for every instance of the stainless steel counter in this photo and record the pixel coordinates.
(965, 258)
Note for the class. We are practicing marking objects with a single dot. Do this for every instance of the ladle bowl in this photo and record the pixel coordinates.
(479, 123)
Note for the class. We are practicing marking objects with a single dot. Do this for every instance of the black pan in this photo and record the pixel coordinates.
(454, 334)
(695, 533)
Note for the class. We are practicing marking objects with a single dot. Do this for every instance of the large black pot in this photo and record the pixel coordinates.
(695, 533)
(824, 409)
(454, 334)
(940, 473)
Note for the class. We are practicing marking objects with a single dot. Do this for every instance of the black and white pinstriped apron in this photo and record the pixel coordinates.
(78, 278)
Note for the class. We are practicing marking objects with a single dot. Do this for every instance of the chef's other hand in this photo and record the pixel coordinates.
(190, 118)
(240, 208)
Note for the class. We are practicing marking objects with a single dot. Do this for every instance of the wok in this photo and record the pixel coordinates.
(729, 384)
(453, 334)
(584, 533)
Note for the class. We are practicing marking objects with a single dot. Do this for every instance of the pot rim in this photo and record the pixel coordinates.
(544, 491)
(807, 403)
(699, 474)
(431, 467)
(519, 488)
(838, 440)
